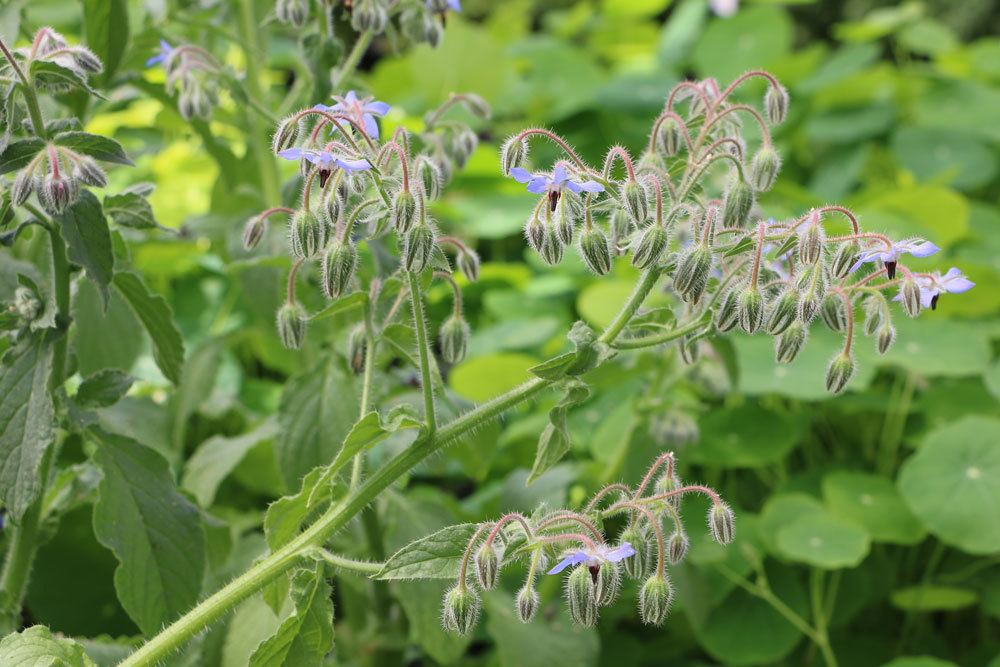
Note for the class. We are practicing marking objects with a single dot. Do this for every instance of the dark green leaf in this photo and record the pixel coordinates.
(86, 232)
(554, 441)
(94, 145)
(19, 153)
(106, 26)
(305, 637)
(103, 388)
(50, 74)
(217, 457)
(436, 556)
(130, 209)
(155, 315)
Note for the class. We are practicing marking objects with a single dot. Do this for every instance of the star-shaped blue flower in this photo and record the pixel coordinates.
(324, 159)
(889, 256)
(541, 184)
(363, 111)
(162, 53)
(594, 557)
(934, 285)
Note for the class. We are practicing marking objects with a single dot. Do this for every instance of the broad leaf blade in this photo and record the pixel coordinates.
(19, 153)
(155, 315)
(436, 556)
(217, 457)
(103, 388)
(306, 636)
(86, 232)
(38, 647)
(96, 146)
(106, 25)
(129, 209)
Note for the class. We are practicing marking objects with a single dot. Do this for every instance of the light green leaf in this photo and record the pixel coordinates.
(86, 232)
(95, 350)
(952, 484)
(551, 639)
(26, 424)
(782, 509)
(96, 146)
(874, 503)
(344, 304)
(218, 456)
(157, 318)
(753, 38)
(436, 556)
(38, 647)
(130, 209)
(957, 155)
(306, 636)
(824, 541)
(482, 378)
(554, 442)
(106, 26)
(934, 598)
(103, 388)
(600, 301)
(919, 661)
(747, 436)
(154, 531)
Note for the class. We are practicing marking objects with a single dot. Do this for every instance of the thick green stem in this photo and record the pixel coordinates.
(345, 563)
(642, 289)
(423, 349)
(261, 150)
(353, 58)
(660, 338)
(30, 98)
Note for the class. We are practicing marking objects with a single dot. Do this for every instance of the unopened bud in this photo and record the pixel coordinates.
(477, 105)
(58, 193)
(638, 565)
(369, 16)
(693, 269)
(463, 145)
(737, 203)
(670, 137)
(306, 234)
(875, 310)
(552, 248)
(834, 312)
(292, 12)
(429, 174)
(607, 584)
(565, 219)
(776, 104)
(678, 546)
(839, 372)
(580, 596)
(292, 321)
(728, 314)
(788, 345)
(910, 293)
(534, 232)
(454, 337)
(721, 522)
(764, 168)
(460, 611)
(811, 241)
(750, 306)
(669, 482)
(88, 172)
(404, 211)
(357, 344)
(655, 598)
(812, 288)
(674, 428)
(468, 263)
(339, 263)
(783, 311)
(886, 337)
(526, 603)
(253, 232)
(286, 135)
(513, 154)
(22, 187)
(650, 246)
(86, 60)
(844, 259)
(487, 563)
(418, 244)
(331, 207)
(595, 250)
(636, 201)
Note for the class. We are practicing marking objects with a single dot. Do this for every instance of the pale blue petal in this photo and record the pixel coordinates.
(377, 108)
(574, 558)
(290, 153)
(520, 174)
(538, 185)
(923, 249)
(621, 552)
(371, 127)
(591, 186)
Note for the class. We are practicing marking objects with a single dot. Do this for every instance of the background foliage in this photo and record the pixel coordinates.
(886, 496)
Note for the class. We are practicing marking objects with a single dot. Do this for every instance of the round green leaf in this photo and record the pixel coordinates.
(952, 484)
(824, 541)
(872, 502)
(599, 302)
(919, 661)
(752, 38)
(748, 436)
(781, 510)
(934, 598)
(481, 378)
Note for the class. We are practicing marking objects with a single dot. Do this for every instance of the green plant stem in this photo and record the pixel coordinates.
(371, 343)
(30, 98)
(353, 58)
(251, 48)
(345, 563)
(660, 338)
(423, 349)
(639, 294)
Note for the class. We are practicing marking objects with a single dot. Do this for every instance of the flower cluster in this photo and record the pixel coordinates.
(726, 261)
(654, 537)
(419, 20)
(192, 73)
(357, 186)
(55, 65)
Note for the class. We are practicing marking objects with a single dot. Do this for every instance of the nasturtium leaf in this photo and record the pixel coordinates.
(95, 145)
(38, 647)
(550, 639)
(752, 38)
(86, 232)
(27, 420)
(157, 318)
(747, 436)
(153, 530)
(934, 598)
(436, 556)
(106, 25)
(19, 153)
(824, 541)
(129, 209)
(952, 484)
(482, 378)
(306, 636)
(873, 503)
(217, 457)
(919, 661)
(103, 388)
(781, 510)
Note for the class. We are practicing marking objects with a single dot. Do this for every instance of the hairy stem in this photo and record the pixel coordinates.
(353, 58)
(423, 349)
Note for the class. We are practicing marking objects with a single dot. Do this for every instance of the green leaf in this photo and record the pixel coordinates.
(26, 424)
(747, 436)
(106, 26)
(934, 598)
(19, 153)
(129, 209)
(96, 146)
(551, 639)
(874, 503)
(157, 318)
(317, 411)
(482, 378)
(952, 484)
(103, 388)
(305, 637)
(95, 350)
(824, 541)
(554, 442)
(922, 661)
(436, 556)
(753, 38)
(343, 304)
(86, 232)
(54, 75)
(38, 647)
(217, 457)
(154, 531)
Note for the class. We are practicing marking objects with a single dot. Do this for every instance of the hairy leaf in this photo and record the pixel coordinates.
(19, 153)
(437, 556)
(217, 457)
(103, 388)
(155, 315)
(86, 231)
(130, 209)
(52, 74)
(96, 146)
(38, 647)
(106, 26)
(306, 636)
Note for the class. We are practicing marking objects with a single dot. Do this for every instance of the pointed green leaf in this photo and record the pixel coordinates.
(19, 153)
(217, 457)
(306, 636)
(51, 74)
(436, 556)
(38, 647)
(106, 25)
(130, 209)
(86, 232)
(157, 318)
(96, 146)
(554, 442)
(103, 388)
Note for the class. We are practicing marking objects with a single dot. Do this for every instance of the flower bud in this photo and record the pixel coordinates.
(595, 250)
(607, 584)
(463, 145)
(678, 546)
(88, 172)
(812, 288)
(636, 201)
(487, 564)
(468, 263)
(886, 337)
(552, 248)
(477, 105)
(22, 187)
(670, 137)
(655, 598)
(513, 154)
(460, 611)
(580, 596)
(286, 135)
(331, 207)
(764, 168)
(776, 104)
(369, 16)
(26, 304)
(674, 428)
(910, 293)
(783, 311)
(844, 259)
(650, 246)
(306, 234)
(834, 312)
(875, 310)
(721, 522)
(693, 269)
(750, 306)
(404, 211)
(638, 565)
(454, 337)
(418, 244)
(429, 175)
(667, 483)
(86, 60)
(339, 263)
(526, 603)
(811, 241)
(737, 203)
(534, 232)
(292, 320)
(788, 345)
(727, 316)
(292, 12)
(839, 372)
(565, 219)
(253, 232)
(58, 193)
(357, 344)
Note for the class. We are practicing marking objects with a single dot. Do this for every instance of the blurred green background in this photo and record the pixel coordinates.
(889, 494)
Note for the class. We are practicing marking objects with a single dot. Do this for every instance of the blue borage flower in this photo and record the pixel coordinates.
(933, 285)
(544, 184)
(163, 52)
(363, 110)
(324, 159)
(592, 557)
(889, 256)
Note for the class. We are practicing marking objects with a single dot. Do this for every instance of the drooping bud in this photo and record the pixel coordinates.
(788, 345)
(58, 193)
(844, 259)
(526, 603)
(811, 240)
(776, 104)
(429, 174)
(909, 292)
(875, 310)
(369, 16)
(404, 211)
(666, 484)
(565, 219)
(286, 135)
(454, 337)
(750, 306)
(22, 187)
(534, 232)
(339, 263)
(580, 596)
(306, 234)
(812, 287)
(487, 563)
(463, 145)
(764, 168)
(638, 565)
(468, 263)
(650, 246)
(783, 311)
(674, 428)
(331, 206)
(460, 611)
(292, 12)
(86, 60)
(607, 583)
(253, 232)
(292, 320)
(834, 312)
(636, 201)
(655, 598)
(721, 522)
(727, 316)
(678, 546)
(595, 250)
(418, 244)
(693, 269)
(839, 372)
(88, 172)
(886, 337)
(737, 203)
(513, 154)
(670, 137)
(552, 248)
(357, 344)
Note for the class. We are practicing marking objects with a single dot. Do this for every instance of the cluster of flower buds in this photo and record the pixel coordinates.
(727, 263)
(419, 20)
(50, 46)
(358, 187)
(653, 539)
(55, 174)
(192, 73)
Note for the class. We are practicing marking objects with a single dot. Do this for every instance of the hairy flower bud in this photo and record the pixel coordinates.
(636, 201)
(607, 583)
(764, 168)
(369, 16)
(339, 263)
(454, 337)
(86, 60)
(418, 244)
(292, 320)
(670, 137)
(534, 232)
(552, 248)
(811, 240)
(812, 288)
(460, 611)
(404, 211)
(565, 219)
(750, 306)
(783, 311)
(463, 145)
(655, 598)
(468, 263)
(885, 338)
(527, 603)
(693, 269)
(673, 428)
(487, 562)
(429, 175)
(513, 154)
(649, 247)
(638, 565)
(307, 234)
(88, 172)
(721, 522)
(788, 345)
(58, 193)
(834, 312)
(292, 12)
(23, 185)
(678, 546)
(844, 259)
(357, 345)
(737, 203)
(910, 293)
(580, 596)
(286, 135)
(595, 250)
(253, 232)
(331, 207)
(839, 372)
(776, 104)
(727, 315)
(875, 310)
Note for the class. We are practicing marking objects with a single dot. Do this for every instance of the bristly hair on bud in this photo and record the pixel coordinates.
(750, 306)
(636, 200)
(513, 153)
(307, 234)
(638, 566)
(418, 244)
(649, 247)
(460, 611)
(844, 259)
(487, 562)
(253, 232)
(678, 546)
(552, 247)
(788, 345)
(580, 596)
(885, 338)
(839, 372)
(721, 522)
(286, 135)
(357, 346)
(595, 250)
(339, 263)
(468, 263)
(454, 338)
(776, 104)
(292, 320)
(811, 239)
(728, 316)
(693, 269)
(909, 293)
(607, 583)
(527, 603)
(404, 211)
(534, 233)
(834, 312)
(764, 168)
(783, 311)
(737, 202)
(655, 598)
(670, 137)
